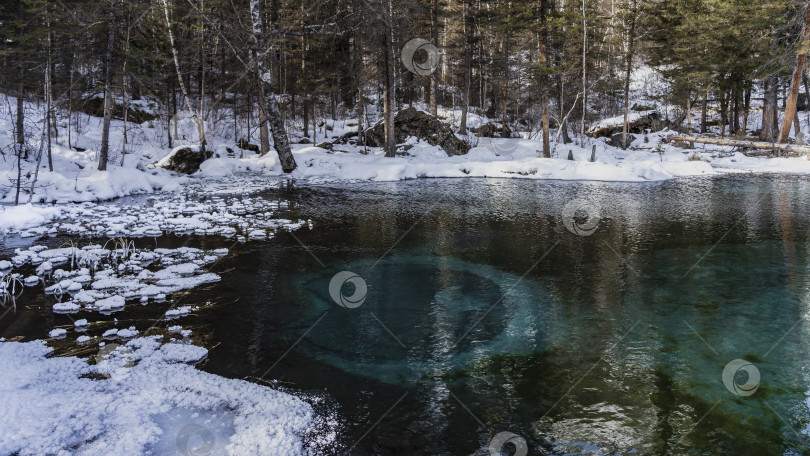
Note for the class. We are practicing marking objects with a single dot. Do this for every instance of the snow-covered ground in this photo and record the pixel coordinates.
(75, 178)
(143, 397)
(500, 158)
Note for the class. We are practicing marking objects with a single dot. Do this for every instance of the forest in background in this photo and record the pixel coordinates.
(275, 65)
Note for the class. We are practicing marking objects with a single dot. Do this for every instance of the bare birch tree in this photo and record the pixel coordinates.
(196, 117)
(267, 99)
(104, 150)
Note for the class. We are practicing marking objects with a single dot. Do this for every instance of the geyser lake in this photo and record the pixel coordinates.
(483, 313)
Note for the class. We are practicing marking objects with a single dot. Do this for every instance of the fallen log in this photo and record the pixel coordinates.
(743, 143)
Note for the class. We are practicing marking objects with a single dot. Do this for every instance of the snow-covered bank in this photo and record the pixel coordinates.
(498, 158)
(89, 184)
(74, 158)
(153, 402)
(75, 178)
(17, 218)
(144, 396)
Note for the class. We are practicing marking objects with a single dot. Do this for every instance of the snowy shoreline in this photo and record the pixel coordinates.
(319, 166)
(150, 400)
(138, 392)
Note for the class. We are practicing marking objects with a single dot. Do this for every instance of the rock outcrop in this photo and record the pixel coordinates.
(186, 160)
(410, 122)
(491, 130)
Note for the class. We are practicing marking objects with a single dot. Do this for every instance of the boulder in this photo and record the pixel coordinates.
(616, 140)
(186, 160)
(326, 145)
(640, 107)
(410, 122)
(245, 145)
(95, 107)
(491, 130)
(347, 137)
(636, 123)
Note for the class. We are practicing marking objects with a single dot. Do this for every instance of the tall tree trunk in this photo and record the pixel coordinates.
(36, 173)
(264, 135)
(807, 95)
(49, 113)
(434, 37)
(505, 84)
(628, 69)
(124, 91)
(304, 96)
(20, 89)
(314, 124)
(268, 98)
(48, 119)
(201, 102)
(769, 109)
(797, 128)
(104, 150)
(735, 116)
(543, 35)
(20, 111)
(689, 110)
(276, 67)
(332, 109)
(359, 82)
(305, 111)
(169, 112)
(465, 97)
(19, 175)
(70, 100)
(790, 107)
(746, 108)
(704, 110)
(584, 70)
(723, 112)
(196, 117)
(388, 102)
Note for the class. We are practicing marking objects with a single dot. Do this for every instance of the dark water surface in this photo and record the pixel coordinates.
(484, 314)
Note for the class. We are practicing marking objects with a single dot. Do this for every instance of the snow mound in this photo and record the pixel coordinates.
(153, 403)
(25, 216)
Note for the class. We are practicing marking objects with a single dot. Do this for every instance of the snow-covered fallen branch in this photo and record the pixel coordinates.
(742, 143)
